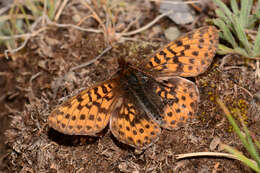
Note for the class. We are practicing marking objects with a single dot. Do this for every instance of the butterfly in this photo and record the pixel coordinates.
(141, 99)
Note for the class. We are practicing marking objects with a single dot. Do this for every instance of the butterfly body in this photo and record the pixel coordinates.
(136, 84)
(139, 100)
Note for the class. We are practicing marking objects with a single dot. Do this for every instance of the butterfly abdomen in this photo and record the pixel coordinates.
(141, 88)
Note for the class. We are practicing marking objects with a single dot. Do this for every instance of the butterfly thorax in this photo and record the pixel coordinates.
(140, 87)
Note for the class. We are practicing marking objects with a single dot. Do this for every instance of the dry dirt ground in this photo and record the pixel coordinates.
(37, 80)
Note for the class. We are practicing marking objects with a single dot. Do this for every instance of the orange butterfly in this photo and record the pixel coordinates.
(140, 99)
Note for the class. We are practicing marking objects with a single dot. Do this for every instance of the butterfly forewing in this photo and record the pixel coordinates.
(189, 55)
(86, 113)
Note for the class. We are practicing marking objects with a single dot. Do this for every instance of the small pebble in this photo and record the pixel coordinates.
(172, 33)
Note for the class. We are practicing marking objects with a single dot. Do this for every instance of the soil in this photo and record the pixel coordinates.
(37, 79)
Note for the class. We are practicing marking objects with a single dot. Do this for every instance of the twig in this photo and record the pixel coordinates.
(254, 58)
(146, 26)
(210, 154)
(257, 71)
(23, 35)
(249, 93)
(95, 16)
(16, 49)
(27, 37)
(34, 33)
(177, 2)
(84, 18)
(91, 61)
(206, 154)
(130, 24)
(18, 16)
(60, 10)
(76, 27)
(233, 67)
(45, 18)
(224, 60)
(4, 9)
(35, 76)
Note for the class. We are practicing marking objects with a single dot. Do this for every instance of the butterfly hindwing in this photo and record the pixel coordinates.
(131, 125)
(180, 99)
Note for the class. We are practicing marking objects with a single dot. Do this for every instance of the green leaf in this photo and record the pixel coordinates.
(232, 122)
(51, 8)
(234, 7)
(221, 15)
(258, 13)
(245, 139)
(222, 50)
(257, 144)
(242, 52)
(246, 6)
(252, 19)
(223, 7)
(19, 26)
(256, 49)
(250, 163)
(226, 32)
(24, 13)
(242, 35)
(33, 7)
(224, 18)
(251, 149)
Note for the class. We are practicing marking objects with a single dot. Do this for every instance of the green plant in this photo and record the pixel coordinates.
(251, 145)
(236, 24)
(20, 16)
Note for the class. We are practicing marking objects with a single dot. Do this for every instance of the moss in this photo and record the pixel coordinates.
(239, 110)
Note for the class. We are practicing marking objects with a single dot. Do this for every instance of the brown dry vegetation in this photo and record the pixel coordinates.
(37, 80)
